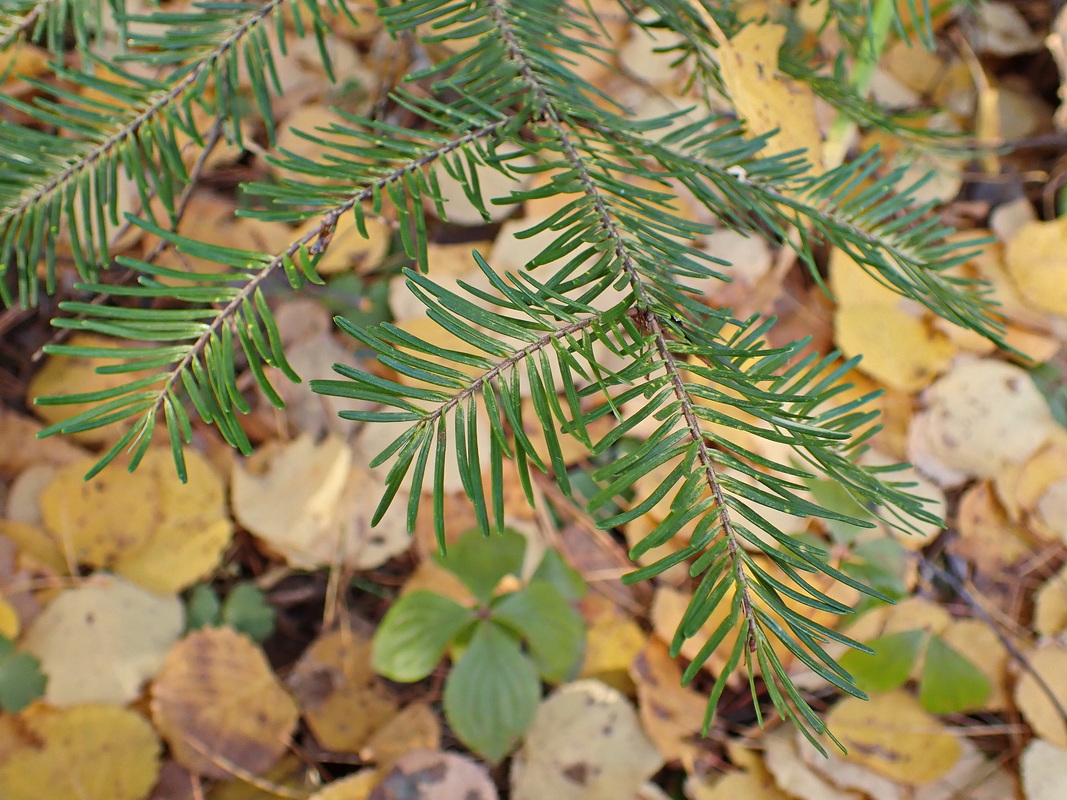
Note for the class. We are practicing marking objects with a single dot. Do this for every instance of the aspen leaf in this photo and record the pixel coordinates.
(218, 703)
(1044, 771)
(415, 728)
(147, 526)
(91, 752)
(433, 775)
(984, 415)
(20, 448)
(671, 714)
(357, 786)
(62, 374)
(1050, 605)
(342, 700)
(612, 641)
(892, 735)
(99, 642)
(307, 502)
(1036, 259)
(898, 349)
(766, 100)
(1048, 660)
(585, 743)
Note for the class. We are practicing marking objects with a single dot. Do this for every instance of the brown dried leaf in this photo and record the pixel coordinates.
(340, 696)
(219, 705)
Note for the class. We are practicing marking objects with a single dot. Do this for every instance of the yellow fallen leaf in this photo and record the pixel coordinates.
(74, 375)
(340, 696)
(1036, 258)
(585, 743)
(892, 735)
(414, 728)
(672, 715)
(1050, 605)
(100, 641)
(147, 525)
(611, 643)
(92, 752)
(898, 349)
(9, 620)
(765, 99)
(349, 250)
(1049, 660)
(309, 502)
(218, 703)
(357, 786)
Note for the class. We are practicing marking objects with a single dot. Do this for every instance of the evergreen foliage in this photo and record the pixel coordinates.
(612, 324)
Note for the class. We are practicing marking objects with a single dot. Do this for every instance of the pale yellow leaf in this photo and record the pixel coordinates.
(100, 641)
(1044, 771)
(1036, 259)
(434, 775)
(1049, 660)
(307, 501)
(585, 743)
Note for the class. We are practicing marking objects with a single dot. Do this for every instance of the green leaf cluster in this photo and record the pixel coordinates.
(245, 609)
(605, 326)
(949, 682)
(21, 679)
(502, 648)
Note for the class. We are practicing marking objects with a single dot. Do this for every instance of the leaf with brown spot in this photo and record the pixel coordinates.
(218, 703)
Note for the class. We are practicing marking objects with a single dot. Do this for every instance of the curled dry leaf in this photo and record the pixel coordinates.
(987, 536)
(99, 642)
(433, 775)
(91, 752)
(585, 743)
(339, 694)
(790, 770)
(147, 526)
(981, 417)
(220, 706)
(1035, 492)
(308, 502)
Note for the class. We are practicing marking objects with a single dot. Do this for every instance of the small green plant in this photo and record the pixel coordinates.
(950, 682)
(502, 647)
(245, 609)
(21, 679)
